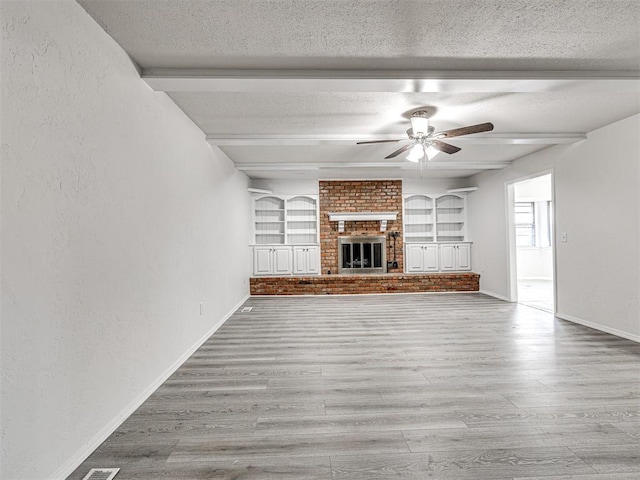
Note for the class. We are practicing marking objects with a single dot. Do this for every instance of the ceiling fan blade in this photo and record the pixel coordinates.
(457, 132)
(444, 147)
(379, 141)
(399, 151)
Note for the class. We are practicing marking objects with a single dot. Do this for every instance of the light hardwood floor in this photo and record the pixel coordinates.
(445, 386)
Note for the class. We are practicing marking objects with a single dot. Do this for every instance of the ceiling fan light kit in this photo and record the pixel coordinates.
(416, 153)
(425, 142)
(420, 151)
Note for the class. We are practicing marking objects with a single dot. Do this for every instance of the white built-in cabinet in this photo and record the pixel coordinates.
(421, 257)
(455, 257)
(306, 260)
(272, 260)
(285, 235)
(435, 235)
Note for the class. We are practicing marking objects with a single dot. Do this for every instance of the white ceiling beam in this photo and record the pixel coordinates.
(246, 167)
(206, 80)
(339, 139)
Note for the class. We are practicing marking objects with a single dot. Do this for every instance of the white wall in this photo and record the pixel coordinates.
(427, 185)
(597, 203)
(534, 190)
(118, 219)
(535, 263)
(288, 187)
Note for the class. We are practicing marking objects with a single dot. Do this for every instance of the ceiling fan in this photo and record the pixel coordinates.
(425, 142)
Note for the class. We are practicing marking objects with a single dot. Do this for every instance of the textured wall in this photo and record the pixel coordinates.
(358, 196)
(114, 211)
(597, 203)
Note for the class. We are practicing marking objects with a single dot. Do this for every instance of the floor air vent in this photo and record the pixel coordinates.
(101, 474)
(246, 309)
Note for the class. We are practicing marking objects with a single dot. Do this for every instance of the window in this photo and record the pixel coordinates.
(525, 224)
(534, 224)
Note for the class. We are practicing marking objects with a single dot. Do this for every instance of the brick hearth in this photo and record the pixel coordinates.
(352, 284)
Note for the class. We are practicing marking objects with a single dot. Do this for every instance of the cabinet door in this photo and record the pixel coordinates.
(430, 256)
(306, 260)
(313, 260)
(300, 260)
(282, 260)
(262, 260)
(415, 258)
(448, 257)
(463, 254)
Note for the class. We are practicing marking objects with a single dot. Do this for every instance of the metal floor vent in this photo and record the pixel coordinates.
(101, 474)
(246, 309)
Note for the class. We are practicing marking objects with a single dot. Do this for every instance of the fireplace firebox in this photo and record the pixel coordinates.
(362, 254)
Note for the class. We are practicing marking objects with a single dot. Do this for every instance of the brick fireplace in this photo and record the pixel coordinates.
(352, 196)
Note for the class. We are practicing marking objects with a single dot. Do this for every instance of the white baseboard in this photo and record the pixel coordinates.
(597, 326)
(495, 295)
(76, 460)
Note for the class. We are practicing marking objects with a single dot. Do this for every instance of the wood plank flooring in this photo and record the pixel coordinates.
(438, 386)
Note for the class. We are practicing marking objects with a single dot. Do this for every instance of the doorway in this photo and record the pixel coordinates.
(531, 238)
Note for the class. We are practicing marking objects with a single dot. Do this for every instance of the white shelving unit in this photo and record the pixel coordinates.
(418, 219)
(302, 220)
(435, 237)
(450, 218)
(285, 235)
(269, 221)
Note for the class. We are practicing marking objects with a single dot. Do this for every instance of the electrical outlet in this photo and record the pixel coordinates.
(563, 237)
(201, 308)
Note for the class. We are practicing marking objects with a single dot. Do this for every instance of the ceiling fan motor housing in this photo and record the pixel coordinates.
(420, 122)
(429, 132)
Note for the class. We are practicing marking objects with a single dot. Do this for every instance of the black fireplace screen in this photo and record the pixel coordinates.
(361, 255)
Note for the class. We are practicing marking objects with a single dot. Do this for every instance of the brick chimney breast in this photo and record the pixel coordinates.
(359, 196)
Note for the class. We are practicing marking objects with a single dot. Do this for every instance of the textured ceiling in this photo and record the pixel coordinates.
(579, 40)
(445, 34)
(362, 113)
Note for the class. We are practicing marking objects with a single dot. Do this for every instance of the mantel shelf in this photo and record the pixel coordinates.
(382, 217)
(361, 216)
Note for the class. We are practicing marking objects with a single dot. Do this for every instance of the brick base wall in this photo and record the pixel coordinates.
(352, 284)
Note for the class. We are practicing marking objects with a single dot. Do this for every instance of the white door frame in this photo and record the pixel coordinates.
(512, 271)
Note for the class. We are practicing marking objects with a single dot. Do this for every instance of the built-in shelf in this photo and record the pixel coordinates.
(434, 218)
(285, 220)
